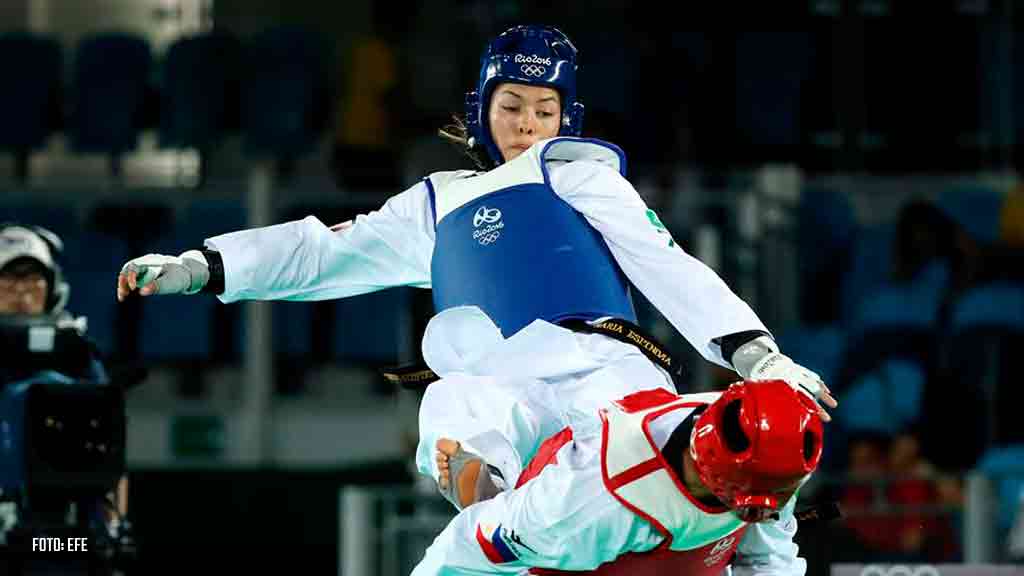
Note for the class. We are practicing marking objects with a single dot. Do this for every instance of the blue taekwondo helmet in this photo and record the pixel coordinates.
(534, 55)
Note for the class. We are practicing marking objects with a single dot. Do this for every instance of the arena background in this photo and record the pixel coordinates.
(849, 167)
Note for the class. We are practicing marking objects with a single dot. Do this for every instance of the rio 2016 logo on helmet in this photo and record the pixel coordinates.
(534, 55)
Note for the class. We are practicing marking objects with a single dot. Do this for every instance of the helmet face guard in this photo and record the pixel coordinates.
(757, 442)
(532, 55)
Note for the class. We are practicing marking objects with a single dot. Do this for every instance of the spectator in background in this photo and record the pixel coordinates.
(1011, 220)
(977, 254)
(923, 535)
(924, 235)
(1011, 234)
(894, 498)
(32, 286)
(866, 467)
(365, 152)
(32, 289)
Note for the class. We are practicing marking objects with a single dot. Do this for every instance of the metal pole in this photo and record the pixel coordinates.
(355, 554)
(979, 519)
(254, 428)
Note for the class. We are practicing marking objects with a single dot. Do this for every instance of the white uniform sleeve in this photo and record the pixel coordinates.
(563, 520)
(767, 548)
(686, 291)
(306, 260)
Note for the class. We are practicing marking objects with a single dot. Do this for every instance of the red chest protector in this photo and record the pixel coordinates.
(699, 541)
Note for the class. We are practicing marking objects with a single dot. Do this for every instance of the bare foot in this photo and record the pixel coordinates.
(465, 487)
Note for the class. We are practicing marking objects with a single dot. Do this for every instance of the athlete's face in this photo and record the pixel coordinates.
(522, 115)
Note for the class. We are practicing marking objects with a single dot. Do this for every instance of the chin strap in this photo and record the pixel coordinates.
(824, 512)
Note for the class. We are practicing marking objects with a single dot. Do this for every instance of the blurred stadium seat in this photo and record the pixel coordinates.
(896, 322)
(293, 329)
(91, 263)
(199, 91)
(820, 348)
(61, 220)
(1005, 465)
(870, 267)
(771, 69)
(284, 92)
(980, 387)
(192, 329)
(111, 81)
(886, 400)
(977, 209)
(373, 329)
(826, 228)
(30, 98)
(912, 305)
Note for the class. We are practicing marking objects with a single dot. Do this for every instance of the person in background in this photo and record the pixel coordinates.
(32, 287)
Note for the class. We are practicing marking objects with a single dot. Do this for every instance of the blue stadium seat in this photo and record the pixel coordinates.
(771, 68)
(284, 103)
(61, 220)
(913, 305)
(176, 329)
(977, 209)
(30, 98)
(826, 228)
(870, 266)
(980, 366)
(1005, 466)
(91, 263)
(999, 305)
(293, 329)
(192, 328)
(896, 322)
(111, 77)
(372, 329)
(199, 91)
(212, 216)
(819, 348)
(886, 400)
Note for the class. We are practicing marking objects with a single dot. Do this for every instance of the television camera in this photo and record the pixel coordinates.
(62, 451)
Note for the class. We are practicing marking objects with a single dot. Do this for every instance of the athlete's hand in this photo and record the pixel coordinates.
(160, 274)
(777, 366)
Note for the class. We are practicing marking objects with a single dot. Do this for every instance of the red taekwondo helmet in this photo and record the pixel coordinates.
(755, 441)
(534, 55)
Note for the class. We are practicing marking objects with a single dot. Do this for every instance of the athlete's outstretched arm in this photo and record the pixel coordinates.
(303, 259)
(690, 295)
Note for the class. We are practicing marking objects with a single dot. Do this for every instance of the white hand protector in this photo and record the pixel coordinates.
(184, 274)
(778, 366)
(760, 359)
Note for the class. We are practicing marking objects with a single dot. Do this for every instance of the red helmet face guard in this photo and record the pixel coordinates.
(755, 444)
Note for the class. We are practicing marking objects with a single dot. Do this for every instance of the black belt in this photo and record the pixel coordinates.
(626, 331)
(418, 375)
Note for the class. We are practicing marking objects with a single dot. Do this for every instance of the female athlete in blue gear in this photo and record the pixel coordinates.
(550, 237)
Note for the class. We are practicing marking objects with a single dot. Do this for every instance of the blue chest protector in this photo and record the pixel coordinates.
(505, 242)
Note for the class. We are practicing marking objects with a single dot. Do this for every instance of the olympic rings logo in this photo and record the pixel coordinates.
(533, 70)
(489, 238)
(899, 570)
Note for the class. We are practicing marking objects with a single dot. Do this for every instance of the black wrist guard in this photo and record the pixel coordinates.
(216, 283)
(732, 342)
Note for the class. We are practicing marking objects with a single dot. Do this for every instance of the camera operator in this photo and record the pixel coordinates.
(32, 287)
(33, 295)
